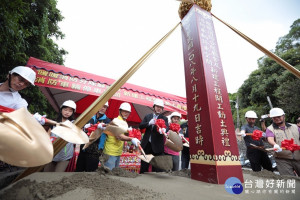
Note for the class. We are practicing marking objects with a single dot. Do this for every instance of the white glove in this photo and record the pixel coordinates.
(264, 134)
(162, 130)
(87, 126)
(101, 126)
(181, 135)
(151, 122)
(129, 129)
(277, 148)
(135, 141)
(40, 118)
(243, 134)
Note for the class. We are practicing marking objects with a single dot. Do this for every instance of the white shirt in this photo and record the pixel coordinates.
(12, 100)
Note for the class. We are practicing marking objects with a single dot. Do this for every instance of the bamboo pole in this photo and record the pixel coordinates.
(277, 59)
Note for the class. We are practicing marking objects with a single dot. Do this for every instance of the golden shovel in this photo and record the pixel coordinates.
(116, 127)
(144, 157)
(24, 142)
(173, 141)
(68, 131)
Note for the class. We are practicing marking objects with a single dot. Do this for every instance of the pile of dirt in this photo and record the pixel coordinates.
(120, 172)
(183, 173)
(100, 187)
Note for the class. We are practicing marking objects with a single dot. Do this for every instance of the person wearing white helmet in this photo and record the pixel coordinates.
(61, 160)
(174, 118)
(258, 159)
(114, 145)
(88, 159)
(18, 79)
(288, 162)
(153, 140)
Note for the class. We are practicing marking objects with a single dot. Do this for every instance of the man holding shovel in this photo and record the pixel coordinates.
(257, 158)
(288, 162)
(18, 79)
(114, 144)
(88, 158)
(153, 140)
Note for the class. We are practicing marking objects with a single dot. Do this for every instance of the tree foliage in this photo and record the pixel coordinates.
(271, 79)
(27, 29)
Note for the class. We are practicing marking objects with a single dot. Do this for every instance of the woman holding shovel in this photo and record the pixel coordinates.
(175, 118)
(61, 160)
(114, 144)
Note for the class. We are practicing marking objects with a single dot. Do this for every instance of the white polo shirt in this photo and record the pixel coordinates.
(12, 100)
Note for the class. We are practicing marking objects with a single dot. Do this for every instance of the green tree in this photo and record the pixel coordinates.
(271, 79)
(27, 29)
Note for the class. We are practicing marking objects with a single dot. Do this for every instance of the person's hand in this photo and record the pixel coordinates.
(135, 141)
(162, 130)
(181, 135)
(264, 134)
(41, 119)
(101, 126)
(277, 148)
(243, 134)
(151, 122)
(87, 126)
(129, 129)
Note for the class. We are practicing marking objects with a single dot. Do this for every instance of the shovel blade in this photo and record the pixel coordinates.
(70, 133)
(147, 159)
(24, 142)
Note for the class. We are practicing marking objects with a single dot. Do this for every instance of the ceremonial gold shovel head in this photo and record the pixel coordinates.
(69, 132)
(24, 142)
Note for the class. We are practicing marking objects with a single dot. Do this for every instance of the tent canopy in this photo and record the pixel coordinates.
(59, 83)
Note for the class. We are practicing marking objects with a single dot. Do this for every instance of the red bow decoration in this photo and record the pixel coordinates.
(160, 123)
(183, 141)
(257, 134)
(92, 128)
(174, 127)
(135, 133)
(289, 145)
(5, 109)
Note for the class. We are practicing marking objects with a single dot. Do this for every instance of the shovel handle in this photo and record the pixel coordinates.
(143, 152)
(51, 122)
(185, 140)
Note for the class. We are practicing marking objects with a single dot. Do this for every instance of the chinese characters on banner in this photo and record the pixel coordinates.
(213, 147)
(58, 80)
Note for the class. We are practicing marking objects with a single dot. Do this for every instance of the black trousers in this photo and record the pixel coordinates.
(145, 165)
(87, 162)
(259, 159)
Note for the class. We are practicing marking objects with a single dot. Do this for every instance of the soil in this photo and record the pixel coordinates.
(99, 186)
(123, 184)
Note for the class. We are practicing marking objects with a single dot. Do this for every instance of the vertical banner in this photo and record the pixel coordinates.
(213, 146)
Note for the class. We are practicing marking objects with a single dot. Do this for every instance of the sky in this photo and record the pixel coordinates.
(107, 37)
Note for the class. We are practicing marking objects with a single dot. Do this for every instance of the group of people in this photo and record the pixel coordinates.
(152, 142)
(288, 162)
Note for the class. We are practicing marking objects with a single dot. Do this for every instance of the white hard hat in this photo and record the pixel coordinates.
(69, 103)
(125, 106)
(276, 112)
(250, 114)
(26, 72)
(175, 114)
(158, 102)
